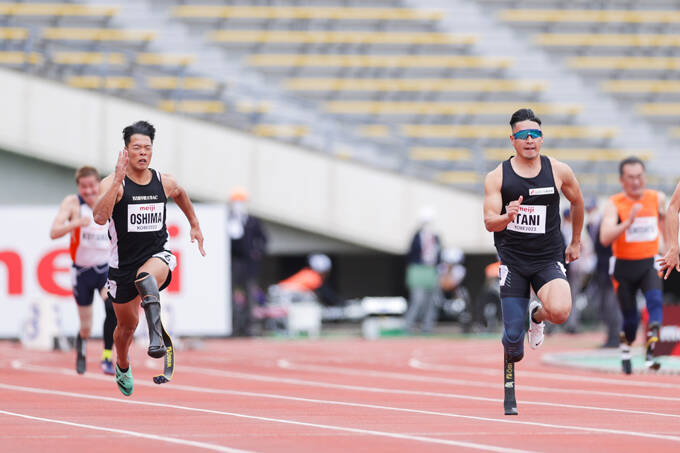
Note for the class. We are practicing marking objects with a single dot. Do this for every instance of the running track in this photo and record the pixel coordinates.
(334, 395)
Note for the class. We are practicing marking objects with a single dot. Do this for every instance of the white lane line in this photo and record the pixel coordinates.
(430, 440)
(390, 408)
(304, 382)
(286, 364)
(173, 440)
(567, 376)
(309, 383)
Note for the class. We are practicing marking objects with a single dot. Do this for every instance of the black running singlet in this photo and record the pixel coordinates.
(534, 235)
(137, 229)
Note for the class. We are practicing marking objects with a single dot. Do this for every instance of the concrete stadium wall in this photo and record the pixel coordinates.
(290, 185)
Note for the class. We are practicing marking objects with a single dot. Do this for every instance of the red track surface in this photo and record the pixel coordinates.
(335, 395)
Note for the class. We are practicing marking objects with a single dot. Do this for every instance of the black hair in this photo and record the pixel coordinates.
(524, 115)
(630, 161)
(140, 127)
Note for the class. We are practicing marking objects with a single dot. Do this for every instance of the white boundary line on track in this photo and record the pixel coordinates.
(174, 440)
(17, 364)
(430, 440)
(294, 381)
(420, 364)
(286, 364)
(341, 403)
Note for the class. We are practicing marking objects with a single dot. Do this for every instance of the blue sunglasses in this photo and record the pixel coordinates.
(523, 135)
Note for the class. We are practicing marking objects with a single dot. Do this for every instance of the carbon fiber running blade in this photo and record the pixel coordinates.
(509, 402)
(169, 362)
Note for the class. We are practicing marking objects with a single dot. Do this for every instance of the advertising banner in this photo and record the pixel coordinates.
(35, 271)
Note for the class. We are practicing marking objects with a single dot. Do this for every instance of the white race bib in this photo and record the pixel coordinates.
(643, 229)
(530, 219)
(145, 217)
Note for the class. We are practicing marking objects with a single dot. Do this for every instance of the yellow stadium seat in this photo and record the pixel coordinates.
(374, 131)
(88, 58)
(403, 84)
(641, 63)
(574, 154)
(192, 106)
(16, 57)
(589, 15)
(13, 33)
(253, 106)
(458, 177)
(97, 34)
(96, 82)
(379, 61)
(56, 9)
(186, 83)
(281, 130)
(659, 109)
(480, 131)
(302, 12)
(339, 37)
(445, 108)
(163, 59)
(641, 86)
(439, 153)
(607, 40)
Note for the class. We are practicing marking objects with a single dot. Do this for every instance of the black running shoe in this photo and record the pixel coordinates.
(80, 355)
(626, 366)
(625, 355)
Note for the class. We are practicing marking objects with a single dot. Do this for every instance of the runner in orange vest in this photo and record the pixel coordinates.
(631, 225)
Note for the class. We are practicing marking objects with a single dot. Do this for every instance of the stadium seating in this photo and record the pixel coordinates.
(20, 58)
(381, 74)
(56, 9)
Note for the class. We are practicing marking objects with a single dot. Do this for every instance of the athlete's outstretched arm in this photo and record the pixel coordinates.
(671, 260)
(177, 193)
(662, 217)
(111, 190)
(572, 191)
(67, 218)
(611, 228)
(493, 203)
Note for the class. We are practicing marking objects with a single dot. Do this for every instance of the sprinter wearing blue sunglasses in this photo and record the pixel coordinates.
(522, 209)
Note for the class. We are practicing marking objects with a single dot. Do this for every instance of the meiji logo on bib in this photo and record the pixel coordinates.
(145, 217)
(542, 191)
(530, 219)
(643, 229)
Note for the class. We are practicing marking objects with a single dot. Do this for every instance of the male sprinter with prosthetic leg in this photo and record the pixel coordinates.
(631, 223)
(134, 197)
(90, 250)
(522, 209)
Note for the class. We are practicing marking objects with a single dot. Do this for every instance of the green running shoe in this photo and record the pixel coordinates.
(124, 381)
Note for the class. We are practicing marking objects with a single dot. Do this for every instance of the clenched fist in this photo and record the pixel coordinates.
(513, 208)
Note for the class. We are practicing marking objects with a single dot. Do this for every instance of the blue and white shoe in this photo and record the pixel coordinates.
(535, 334)
(107, 367)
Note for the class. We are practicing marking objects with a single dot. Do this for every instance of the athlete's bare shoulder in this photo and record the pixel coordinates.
(69, 206)
(562, 172)
(494, 179)
(70, 200)
(170, 185)
(106, 184)
(495, 175)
